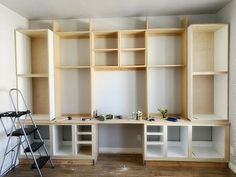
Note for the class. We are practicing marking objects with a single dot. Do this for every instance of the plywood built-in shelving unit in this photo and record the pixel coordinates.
(83, 65)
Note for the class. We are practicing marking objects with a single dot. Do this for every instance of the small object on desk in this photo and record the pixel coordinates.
(100, 118)
(86, 119)
(151, 119)
(119, 117)
(69, 118)
(172, 119)
(109, 116)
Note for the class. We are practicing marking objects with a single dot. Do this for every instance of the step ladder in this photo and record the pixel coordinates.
(22, 133)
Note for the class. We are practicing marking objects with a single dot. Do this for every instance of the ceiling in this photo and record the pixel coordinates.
(57, 9)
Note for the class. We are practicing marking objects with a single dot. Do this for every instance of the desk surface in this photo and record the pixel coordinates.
(158, 121)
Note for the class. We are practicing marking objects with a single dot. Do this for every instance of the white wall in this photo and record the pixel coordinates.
(9, 21)
(228, 15)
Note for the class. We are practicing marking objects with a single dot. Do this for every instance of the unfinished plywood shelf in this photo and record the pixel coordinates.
(74, 34)
(32, 75)
(165, 66)
(73, 67)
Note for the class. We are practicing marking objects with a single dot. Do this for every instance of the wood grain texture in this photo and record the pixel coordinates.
(111, 166)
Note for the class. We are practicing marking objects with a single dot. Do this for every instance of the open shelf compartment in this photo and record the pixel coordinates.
(105, 40)
(177, 142)
(132, 39)
(32, 48)
(75, 92)
(208, 142)
(75, 51)
(36, 94)
(209, 45)
(210, 97)
(63, 140)
(165, 87)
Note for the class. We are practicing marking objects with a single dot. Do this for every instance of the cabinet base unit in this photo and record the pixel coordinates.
(63, 145)
(209, 142)
(177, 142)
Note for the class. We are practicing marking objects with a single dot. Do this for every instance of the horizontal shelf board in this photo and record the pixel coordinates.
(84, 142)
(209, 117)
(132, 32)
(154, 143)
(176, 151)
(32, 75)
(105, 50)
(73, 67)
(74, 34)
(154, 133)
(84, 133)
(64, 150)
(105, 34)
(111, 68)
(207, 27)
(34, 32)
(208, 73)
(133, 66)
(132, 49)
(205, 152)
(166, 31)
(165, 66)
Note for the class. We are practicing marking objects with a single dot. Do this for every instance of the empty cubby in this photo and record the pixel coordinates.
(208, 142)
(63, 140)
(177, 141)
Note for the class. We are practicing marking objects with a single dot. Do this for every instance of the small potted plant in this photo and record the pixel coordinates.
(163, 112)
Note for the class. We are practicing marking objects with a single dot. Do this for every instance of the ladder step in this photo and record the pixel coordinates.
(41, 161)
(19, 132)
(34, 146)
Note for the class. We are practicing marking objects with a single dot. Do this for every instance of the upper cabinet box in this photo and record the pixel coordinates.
(208, 47)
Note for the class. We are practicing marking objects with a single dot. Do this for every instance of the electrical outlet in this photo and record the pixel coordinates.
(139, 137)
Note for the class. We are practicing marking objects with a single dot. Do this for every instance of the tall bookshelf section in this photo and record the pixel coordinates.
(35, 71)
(208, 72)
(72, 49)
(166, 71)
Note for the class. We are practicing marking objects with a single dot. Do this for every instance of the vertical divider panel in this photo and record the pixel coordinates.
(57, 74)
(165, 133)
(74, 140)
(119, 47)
(51, 73)
(184, 71)
(190, 141)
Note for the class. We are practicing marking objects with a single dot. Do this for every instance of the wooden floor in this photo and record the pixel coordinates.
(121, 166)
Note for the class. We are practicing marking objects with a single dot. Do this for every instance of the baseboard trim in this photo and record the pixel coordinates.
(105, 150)
(232, 167)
